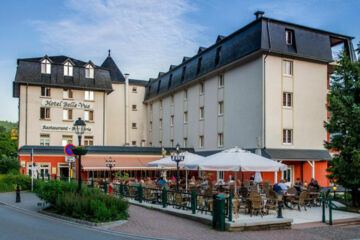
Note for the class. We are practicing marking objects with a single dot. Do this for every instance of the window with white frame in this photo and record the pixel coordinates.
(287, 99)
(133, 125)
(66, 139)
(171, 142)
(289, 37)
(287, 136)
(160, 143)
(88, 140)
(185, 117)
(134, 89)
(89, 71)
(221, 81)
(67, 94)
(202, 113)
(201, 141)
(171, 120)
(45, 92)
(185, 95)
(68, 69)
(67, 114)
(202, 88)
(220, 139)
(220, 175)
(44, 140)
(45, 66)
(185, 142)
(143, 142)
(288, 67)
(160, 123)
(89, 95)
(133, 143)
(44, 113)
(89, 115)
(134, 107)
(221, 108)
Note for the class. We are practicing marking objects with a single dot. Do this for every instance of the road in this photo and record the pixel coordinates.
(21, 225)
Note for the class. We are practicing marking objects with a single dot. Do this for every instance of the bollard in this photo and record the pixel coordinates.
(164, 197)
(18, 199)
(330, 213)
(193, 202)
(280, 209)
(230, 207)
(323, 210)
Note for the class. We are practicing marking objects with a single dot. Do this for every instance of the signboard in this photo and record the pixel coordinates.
(14, 134)
(68, 150)
(62, 128)
(70, 159)
(66, 104)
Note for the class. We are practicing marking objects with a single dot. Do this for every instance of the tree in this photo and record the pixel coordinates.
(9, 164)
(344, 126)
(7, 145)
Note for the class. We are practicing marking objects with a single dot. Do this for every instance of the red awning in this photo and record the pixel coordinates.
(122, 162)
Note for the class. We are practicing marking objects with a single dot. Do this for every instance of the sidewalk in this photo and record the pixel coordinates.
(29, 201)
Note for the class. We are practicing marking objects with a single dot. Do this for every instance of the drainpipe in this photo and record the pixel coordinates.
(264, 85)
(126, 109)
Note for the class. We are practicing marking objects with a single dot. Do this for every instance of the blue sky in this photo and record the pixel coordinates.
(145, 36)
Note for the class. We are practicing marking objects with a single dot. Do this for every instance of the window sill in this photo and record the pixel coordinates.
(286, 107)
(220, 115)
(45, 119)
(202, 119)
(220, 146)
(47, 97)
(220, 87)
(68, 98)
(134, 110)
(89, 121)
(134, 128)
(202, 94)
(185, 123)
(88, 100)
(287, 144)
(287, 75)
(68, 120)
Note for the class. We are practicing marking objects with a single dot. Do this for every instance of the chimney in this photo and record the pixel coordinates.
(259, 14)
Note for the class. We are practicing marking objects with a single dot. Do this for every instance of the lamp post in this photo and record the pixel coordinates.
(177, 157)
(79, 126)
(334, 189)
(110, 163)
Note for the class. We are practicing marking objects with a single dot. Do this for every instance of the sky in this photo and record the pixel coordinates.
(145, 36)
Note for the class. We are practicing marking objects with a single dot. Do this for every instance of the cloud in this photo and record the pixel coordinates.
(145, 36)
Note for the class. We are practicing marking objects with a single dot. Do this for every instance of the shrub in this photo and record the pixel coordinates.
(4, 187)
(91, 204)
(14, 179)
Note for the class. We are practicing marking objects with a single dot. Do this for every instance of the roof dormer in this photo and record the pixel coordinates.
(89, 70)
(45, 65)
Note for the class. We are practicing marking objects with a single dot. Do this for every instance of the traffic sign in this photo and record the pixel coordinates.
(14, 134)
(68, 150)
(69, 159)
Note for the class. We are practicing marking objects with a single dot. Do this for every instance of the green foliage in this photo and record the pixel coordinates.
(7, 126)
(122, 176)
(9, 164)
(8, 182)
(90, 205)
(344, 124)
(8, 147)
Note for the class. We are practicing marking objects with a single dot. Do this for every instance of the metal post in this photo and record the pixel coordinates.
(193, 202)
(32, 169)
(280, 209)
(178, 176)
(330, 212)
(18, 199)
(230, 207)
(79, 168)
(140, 193)
(323, 210)
(164, 197)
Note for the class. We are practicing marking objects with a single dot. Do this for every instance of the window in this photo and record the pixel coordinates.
(221, 108)
(185, 117)
(44, 140)
(217, 57)
(198, 66)
(89, 71)
(289, 37)
(160, 143)
(66, 139)
(220, 175)
(201, 141)
(45, 92)
(185, 142)
(170, 79)
(287, 99)
(160, 123)
(143, 142)
(89, 95)
(221, 81)
(133, 143)
(220, 139)
(288, 68)
(287, 136)
(172, 100)
(88, 140)
(171, 120)
(150, 125)
(134, 89)
(44, 113)
(67, 114)
(134, 107)
(150, 144)
(133, 125)
(202, 113)
(202, 88)
(67, 93)
(68, 69)
(185, 94)
(45, 66)
(171, 142)
(183, 74)
(89, 116)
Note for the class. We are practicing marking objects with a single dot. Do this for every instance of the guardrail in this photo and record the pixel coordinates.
(327, 202)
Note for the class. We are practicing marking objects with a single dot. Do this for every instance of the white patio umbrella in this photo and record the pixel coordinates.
(190, 161)
(236, 159)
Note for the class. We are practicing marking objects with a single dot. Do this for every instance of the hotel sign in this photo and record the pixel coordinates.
(66, 104)
(62, 128)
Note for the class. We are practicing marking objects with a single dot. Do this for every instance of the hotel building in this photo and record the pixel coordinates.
(262, 87)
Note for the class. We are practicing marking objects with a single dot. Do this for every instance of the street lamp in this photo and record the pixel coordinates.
(110, 163)
(177, 157)
(79, 126)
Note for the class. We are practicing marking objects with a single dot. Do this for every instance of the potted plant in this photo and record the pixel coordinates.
(79, 150)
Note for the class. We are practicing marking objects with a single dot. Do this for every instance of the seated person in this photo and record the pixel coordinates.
(162, 182)
(283, 186)
(192, 181)
(277, 189)
(230, 180)
(298, 185)
(314, 184)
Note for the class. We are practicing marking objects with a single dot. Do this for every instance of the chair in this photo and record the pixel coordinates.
(179, 202)
(301, 201)
(272, 204)
(232, 188)
(244, 192)
(256, 205)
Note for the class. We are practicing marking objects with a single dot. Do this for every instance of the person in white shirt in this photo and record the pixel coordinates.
(283, 186)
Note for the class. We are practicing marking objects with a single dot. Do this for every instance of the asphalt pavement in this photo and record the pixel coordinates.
(16, 224)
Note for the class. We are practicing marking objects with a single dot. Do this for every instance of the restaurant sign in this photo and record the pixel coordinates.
(66, 104)
(62, 128)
